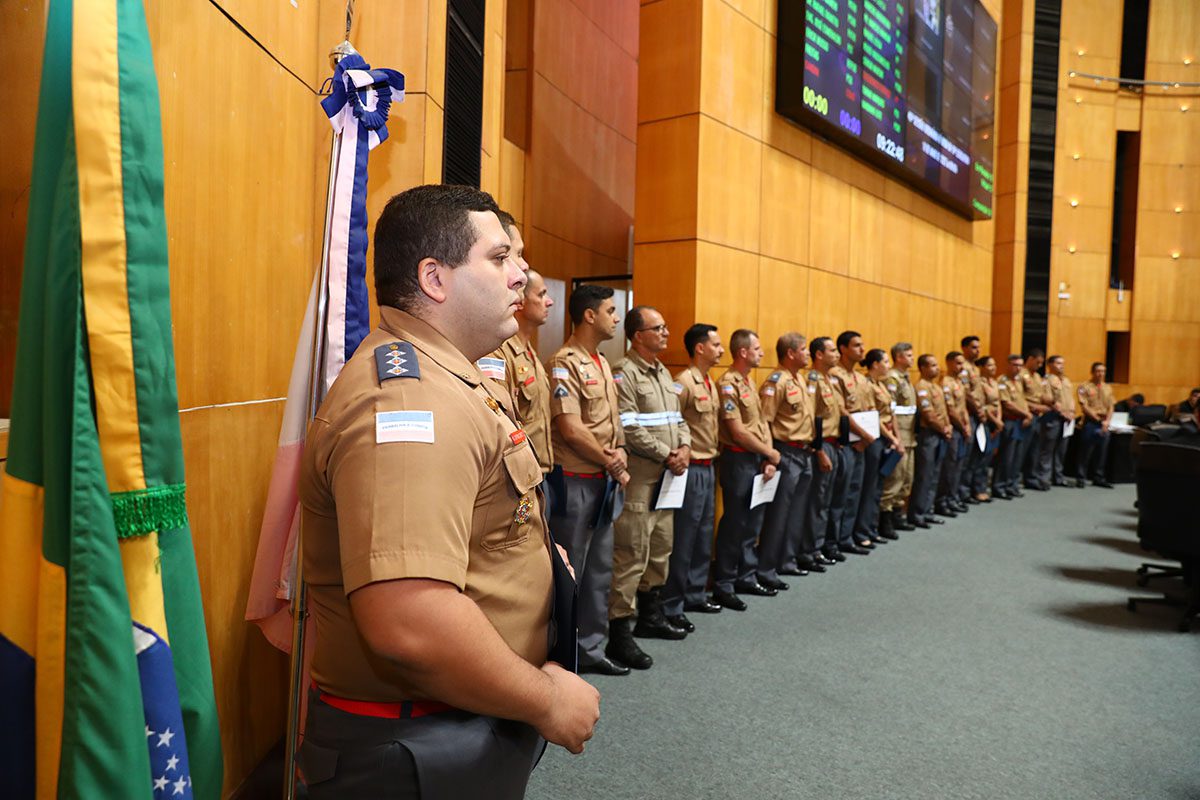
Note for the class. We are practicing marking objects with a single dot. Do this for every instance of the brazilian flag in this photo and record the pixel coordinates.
(105, 680)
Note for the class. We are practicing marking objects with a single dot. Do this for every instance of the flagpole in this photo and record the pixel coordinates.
(316, 394)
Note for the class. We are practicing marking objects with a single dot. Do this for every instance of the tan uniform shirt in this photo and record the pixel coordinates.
(931, 400)
(787, 406)
(698, 402)
(584, 387)
(1034, 387)
(1011, 391)
(525, 379)
(1063, 393)
(1097, 401)
(974, 385)
(828, 404)
(991, 396)
(883, 401)
(904, 405)
(740, 401)
(956, 398)
(854, 387)
(650, 415)
(412, 468)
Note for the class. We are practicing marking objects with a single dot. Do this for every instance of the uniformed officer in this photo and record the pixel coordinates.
(993, 424)
(427, 560)
(898, 485)
(1037, 397)
(1096, 403)
(1006, 478)
(971, 350)
(517, 367)
(857, 397)
(1065, 409)
(657, 440)
(879, 526)
(787, 408)
(952, 383)
(820, 547)
(691, 555)
(746, 451)
(589, 450)
(933, 434)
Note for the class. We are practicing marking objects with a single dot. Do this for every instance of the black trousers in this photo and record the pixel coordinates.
(446, 756)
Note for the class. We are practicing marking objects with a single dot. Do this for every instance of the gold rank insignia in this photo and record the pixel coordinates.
(492, 404)
(523, 509)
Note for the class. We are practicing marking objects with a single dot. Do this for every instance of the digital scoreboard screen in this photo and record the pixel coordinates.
(907, 84)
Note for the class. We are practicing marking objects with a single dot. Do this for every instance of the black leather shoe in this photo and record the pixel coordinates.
(918, 522)
(960, 507)
(1016, 492)
(1001, 494)
(798, 571)
(942, 511)
(970, 500)
(878, 539)
(658, 628)
(703, 608)
(823, 560)
(776, 584)
(605, 666)
(835, 556)
(1080, 483)
(681, 622)
(854, 549)
(901, 523)
(728, 600)
(755, 588)
(1103, 484)
(813, 567)
(935, 521)
(623, 649)
(1063, 482)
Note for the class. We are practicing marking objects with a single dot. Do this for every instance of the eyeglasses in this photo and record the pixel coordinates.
(656, 328)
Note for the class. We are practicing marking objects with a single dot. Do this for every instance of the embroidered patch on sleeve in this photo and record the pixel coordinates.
(730, 406)
(404, 426)
(561, 391)
(560, 373)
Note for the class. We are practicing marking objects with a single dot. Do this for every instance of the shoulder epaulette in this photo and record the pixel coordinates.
(775, 376)
(396, 360)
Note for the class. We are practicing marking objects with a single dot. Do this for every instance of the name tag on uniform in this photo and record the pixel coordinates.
(678, 388)
(560, 373)
(491, 367)
(404, 426)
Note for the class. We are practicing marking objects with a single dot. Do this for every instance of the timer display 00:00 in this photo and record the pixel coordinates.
(817, 102)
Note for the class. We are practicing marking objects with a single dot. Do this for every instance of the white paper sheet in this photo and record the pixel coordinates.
(868, 421)
(1068, 428)
(1120, 422)
(981, 436)
(672, 491)
(764, 490)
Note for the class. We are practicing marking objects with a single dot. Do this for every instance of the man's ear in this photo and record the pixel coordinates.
(589, 316)
(431, 275)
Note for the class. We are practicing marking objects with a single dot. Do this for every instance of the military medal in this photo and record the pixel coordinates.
(523, 509)
(492, 404)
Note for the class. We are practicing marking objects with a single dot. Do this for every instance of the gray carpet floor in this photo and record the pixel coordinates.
(992, 657)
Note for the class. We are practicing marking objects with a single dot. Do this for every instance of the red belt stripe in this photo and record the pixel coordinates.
(407, 709)
(591, 475)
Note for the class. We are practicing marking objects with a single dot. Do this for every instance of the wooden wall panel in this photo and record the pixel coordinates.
(731, 59)
(668, 81)
(785, 203)
(782, 300)
(729, 186)
(668, 176)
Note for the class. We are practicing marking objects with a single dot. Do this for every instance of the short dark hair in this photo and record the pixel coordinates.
(507, 221)
(1035, 352)
(873, 356)
(739, 339)
(817, 345)
(844, 338)
(953, 354)
(1138, 397)
(431, 221)
(926, 358)
(900, 347)
(788, 341)
(966, 341)
(1052, 358)
(587, 296)
(635, 319)
(697, 334)
(1098, 364)
(1015, 357)
(983, 360)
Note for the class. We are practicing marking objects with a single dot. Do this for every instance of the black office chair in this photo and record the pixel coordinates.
(1147, 415)
(1168, 476)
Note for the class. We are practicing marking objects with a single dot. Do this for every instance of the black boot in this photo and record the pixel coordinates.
(622, 647)
(886, 529)
(651, 624)
(900, 522)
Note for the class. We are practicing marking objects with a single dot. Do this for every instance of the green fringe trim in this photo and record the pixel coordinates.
(156, 508)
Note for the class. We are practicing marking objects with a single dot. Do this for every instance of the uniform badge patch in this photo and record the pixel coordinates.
(491, 367)
(523, 510)
(769, 390)
(618, 377)
(678, 388)
(775, 376)
(517, 436)
(396, 360)
(404, 426)
(560, 373)
(561, 391)
(728, 389)
(730, 405)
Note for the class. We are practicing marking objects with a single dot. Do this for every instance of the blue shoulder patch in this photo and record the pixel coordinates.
(396, 360)
(775, 376)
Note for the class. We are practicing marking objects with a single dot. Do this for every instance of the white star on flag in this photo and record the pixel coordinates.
(179, 785)
(149, 732)
(164, 738)
(172, 762)
(160, 782)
